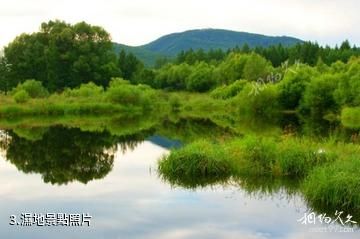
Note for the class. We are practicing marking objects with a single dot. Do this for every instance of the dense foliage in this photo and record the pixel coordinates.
(306, 52)
(78, 61)
(62, 55)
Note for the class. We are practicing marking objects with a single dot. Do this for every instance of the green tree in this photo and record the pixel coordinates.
(318, 96)
(128, 65)
(293, 85)
(5, 84)
(232, 68)
(256, 67)
(201, 79)
(63, 55)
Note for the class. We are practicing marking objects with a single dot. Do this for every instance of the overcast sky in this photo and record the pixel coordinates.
(135, 22)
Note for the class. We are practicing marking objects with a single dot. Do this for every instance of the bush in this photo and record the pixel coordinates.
(115, 82)
(256, 67)
(231, 69)
(350, 117)
(85, 90)
(228, 91)
(318, 97)
(348, 89)
(33, 88)
(124, 95)
(258, 100)
(292, 87)
(21, 96)
(201, 79)
(172, 76)
(120, 92)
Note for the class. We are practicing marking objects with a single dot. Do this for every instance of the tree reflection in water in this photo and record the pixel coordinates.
(62, 155)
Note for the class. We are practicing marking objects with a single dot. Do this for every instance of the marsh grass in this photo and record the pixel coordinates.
(336, 186)
(327, 172)
(287, 157)
(297, 157)
(249, 156)
(199, 163)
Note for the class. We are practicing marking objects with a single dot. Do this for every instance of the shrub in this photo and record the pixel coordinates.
(115, 82)
(85, 90)
(258, 100)
(228, 91)
(350, 117)
(318, 97)
(172, 76)
(232, 68)
(256, 67)
(292, 86)
(201, 79)
(120, 92)
(21, 96)
(33, 88)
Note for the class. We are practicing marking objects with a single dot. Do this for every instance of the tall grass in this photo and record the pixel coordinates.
(251, 156)
(336, 185)
(196, 164)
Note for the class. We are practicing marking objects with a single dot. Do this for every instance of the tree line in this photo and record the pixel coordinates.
(62, 55)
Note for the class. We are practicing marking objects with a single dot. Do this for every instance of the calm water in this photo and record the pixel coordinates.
(114, 178)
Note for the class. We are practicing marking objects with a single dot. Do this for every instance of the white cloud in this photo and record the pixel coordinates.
(139, 21)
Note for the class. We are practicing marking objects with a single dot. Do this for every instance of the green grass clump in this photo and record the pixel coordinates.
(251, 156)
(199, 163)
(297, 157)
(335, 185)
(259, 152)
(290, 157)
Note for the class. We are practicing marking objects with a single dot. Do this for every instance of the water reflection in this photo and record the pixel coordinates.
(62, 155)
(130, 201)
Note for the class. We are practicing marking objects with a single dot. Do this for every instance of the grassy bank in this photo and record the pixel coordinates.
(256, 156)
(30, 99)
(336, 186)
(328, 171)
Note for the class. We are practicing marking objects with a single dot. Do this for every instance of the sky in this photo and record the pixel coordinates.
(138, 22)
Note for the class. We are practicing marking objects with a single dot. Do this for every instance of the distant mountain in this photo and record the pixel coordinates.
(170, 45)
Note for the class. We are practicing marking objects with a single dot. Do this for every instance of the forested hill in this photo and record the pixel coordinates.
(208, 39)
(170, 45)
